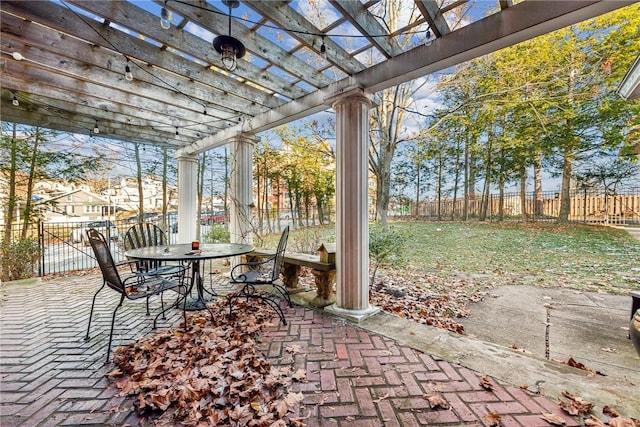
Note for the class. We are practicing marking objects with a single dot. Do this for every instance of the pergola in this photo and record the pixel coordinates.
(64, 64)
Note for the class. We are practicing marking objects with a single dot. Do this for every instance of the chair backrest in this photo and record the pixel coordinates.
(108, 267)
(282, 247)
(142, 235)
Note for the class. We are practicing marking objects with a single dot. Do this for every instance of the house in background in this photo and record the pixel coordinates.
(60, 201)
(76, 205)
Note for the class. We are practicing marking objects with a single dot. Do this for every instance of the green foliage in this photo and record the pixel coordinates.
(386, 246)
(218, 233)
(307, 240)
(19, 260)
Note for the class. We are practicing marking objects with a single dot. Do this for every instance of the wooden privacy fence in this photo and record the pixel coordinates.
(622, 207)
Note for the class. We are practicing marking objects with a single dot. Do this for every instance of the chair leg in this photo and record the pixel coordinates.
(249, 291)
(283, 291)
(148, 312)
(184, 308)
(164, 310)
(86, 338)
(162, 306)
(113, 321)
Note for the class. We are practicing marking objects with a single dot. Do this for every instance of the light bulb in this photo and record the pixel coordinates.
(17, 56)
(229, 57)
(165, 19)
(96, 129)
(127, 73)
(15, 100)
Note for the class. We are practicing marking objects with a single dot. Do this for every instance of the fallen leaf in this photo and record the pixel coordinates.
(575, 364)
(575, 405)
(607, 410)
(381, 398)
(492, 419)
(621, 422)
(593, 421)
(486, 383)
(436, 401)
(211, 374)
(293, 348)
(553, 419)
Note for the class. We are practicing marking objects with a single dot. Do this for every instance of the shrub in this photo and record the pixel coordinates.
(307, 240)
(218, 234)
(385, 247)
(19, 260)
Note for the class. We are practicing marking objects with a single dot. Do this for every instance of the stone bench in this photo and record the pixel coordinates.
(323, 267)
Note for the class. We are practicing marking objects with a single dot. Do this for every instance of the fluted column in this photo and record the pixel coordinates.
(352, 226)
(187, 198)
(241, 188)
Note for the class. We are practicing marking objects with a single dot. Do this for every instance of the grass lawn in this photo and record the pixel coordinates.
(584, 257)
(444, 266)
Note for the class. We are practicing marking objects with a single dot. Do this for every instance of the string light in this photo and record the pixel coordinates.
(165, 17)
(429, 41)
(323, 49)
(128, 75)
(176, 130)
(96, 129)
(15, 100)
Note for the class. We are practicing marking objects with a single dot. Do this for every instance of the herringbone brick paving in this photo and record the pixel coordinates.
(50, 376)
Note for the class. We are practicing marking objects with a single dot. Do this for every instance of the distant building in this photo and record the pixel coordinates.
(76, 205)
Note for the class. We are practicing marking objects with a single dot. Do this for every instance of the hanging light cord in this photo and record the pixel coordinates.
(126, 57)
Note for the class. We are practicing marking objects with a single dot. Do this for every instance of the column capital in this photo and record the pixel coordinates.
(351, 94)
(244, 137)
(191, 157)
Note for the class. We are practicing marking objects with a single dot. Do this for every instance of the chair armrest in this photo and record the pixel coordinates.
(134, 265)
(249, 264)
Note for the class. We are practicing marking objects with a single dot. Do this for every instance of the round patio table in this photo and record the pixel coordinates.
(183, 253)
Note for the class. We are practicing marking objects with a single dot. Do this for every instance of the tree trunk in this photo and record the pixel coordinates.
(165, 196)
(26, 212)
(523, 192)
(538, 207)
(439, 188)
(465, 206)
(136, 147)
(383, 185)
(487, 182)
(565, 201)
(501, 184)
(418, 183)
(11, 203)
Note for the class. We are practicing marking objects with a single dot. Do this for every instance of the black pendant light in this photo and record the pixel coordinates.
(229, 47)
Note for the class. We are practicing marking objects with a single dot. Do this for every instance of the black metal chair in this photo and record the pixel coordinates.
(264, 272)
(145, 234)
(133, 287)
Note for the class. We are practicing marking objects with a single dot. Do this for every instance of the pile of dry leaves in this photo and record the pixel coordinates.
(212, 374)
(426, 299)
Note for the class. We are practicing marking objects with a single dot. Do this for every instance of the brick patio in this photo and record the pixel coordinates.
(51, 376)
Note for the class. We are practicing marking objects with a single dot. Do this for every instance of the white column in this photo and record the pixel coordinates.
(352, 224)
(187, 198)
(241, 188)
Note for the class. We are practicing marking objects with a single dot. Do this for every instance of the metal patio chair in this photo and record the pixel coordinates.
(132, 287)
(265, 272)
(145, 234)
